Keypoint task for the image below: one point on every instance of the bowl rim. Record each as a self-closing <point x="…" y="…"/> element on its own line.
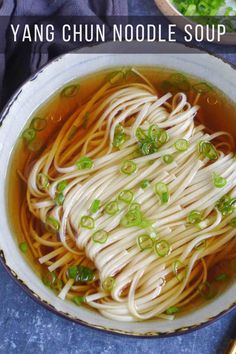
<point x="67" y="316"/>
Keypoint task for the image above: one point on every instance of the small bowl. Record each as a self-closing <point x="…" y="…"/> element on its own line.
<point x="18" y="110"/>
<point x="176" y="17"/>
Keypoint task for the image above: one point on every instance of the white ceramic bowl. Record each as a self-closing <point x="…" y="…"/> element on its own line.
<point x="28" y="98"/>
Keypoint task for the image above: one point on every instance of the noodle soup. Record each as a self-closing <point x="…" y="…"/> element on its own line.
<point x="123" y="193"/>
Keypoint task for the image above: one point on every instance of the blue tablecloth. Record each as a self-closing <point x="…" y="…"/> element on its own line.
<point x="26" y="328"/>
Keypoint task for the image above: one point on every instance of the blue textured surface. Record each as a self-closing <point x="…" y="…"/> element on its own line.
<point x="26" y="328"/>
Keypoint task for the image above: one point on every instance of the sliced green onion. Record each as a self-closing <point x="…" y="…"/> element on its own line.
<point x="42" y="181"/>
<point x="112" y="208"/>
<point x="202" y="87"/>
<point x="181" y="145"/>
<point x="119" y="140"/>
<point x="49" y="279"/>
<point x="132" y="218"/>
<point x="126" y="196"/>
<point x="70" y="91"/>
<point x="29" y="134"/>
<point x="95" y="206"/>
<point x="200" y="144"/>
<point x="119" y="129"/>
<point x="136" y="209"/>
<point x="100" y="236"/>
<point x="226" y="205"/>
<point x="163" y="137"/>
<point x="207" y="150"/>
<point x="61" y="186"/>
<point x="119" y="136"/>
<point x="87" y="222"/>
<point x="154" y="132"/>
<point x="144" y="184"/>
<point x="172" y="310"/>
<point x="84" y="163"/>
<point x="179" y="82"/>
<point x="59" y="199"/>
<point x="38" y="124"/>
<point x="150" y="142"/>
<point x="228" y="11"/>
<point x="57" y="285"/>
<point x="162" y="248"/>
<point x="135" y="206"/>
<point x="168" y="159"/>
<point x="184" y="86"/>
<point x="78" y="300"/>
<point x="222" y="277"/>
<point x="128" y="167"/>
<point x="178" y="266"/>
<point x="109" y="284"/>
<point x="160" y="139"/>
<point x="85" y="274"/>
<point x="147" y="148"/>
<point x="141" y="135"/>
<point x="145" y="242"/>
<point x="206" y="290"/>
<point x="194" y="217"/>
<point x="81" y="274"/>
<point x="233" y="222"/>
<point x="116" y="77"/>
<point x="166" y="85"/>
<point x="53" y="223"/>
<point x="72" y="272"/>
<point x="161" y="189"/>
<point x="35" y="145"/>
<point x="177" y="77"/>
<point x="201" y="8"/>
<point x="219" y="182"/>
<point x="23" y="247"/>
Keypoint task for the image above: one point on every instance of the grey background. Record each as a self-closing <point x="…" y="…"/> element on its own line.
<point x="26" y="328"/>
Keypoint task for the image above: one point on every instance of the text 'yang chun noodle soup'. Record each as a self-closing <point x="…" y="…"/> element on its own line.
<point x="127" y="201"/>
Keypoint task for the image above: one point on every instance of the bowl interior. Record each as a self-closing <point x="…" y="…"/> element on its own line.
<point x="36" y="91"/>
